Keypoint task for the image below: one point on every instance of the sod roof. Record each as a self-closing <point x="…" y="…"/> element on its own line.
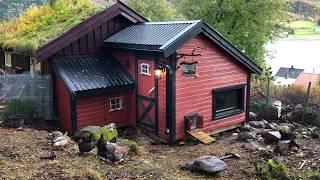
<point x="41" y="24"/>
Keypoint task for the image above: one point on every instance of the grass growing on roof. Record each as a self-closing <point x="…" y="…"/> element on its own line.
<point x="41" y="24"/>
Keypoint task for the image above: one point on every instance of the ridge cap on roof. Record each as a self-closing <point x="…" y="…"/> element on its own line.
<point x="172" y="22"/>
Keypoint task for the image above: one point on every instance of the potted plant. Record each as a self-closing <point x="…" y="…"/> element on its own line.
<point x="17" y="111"/>
<point x="16" y="121"/>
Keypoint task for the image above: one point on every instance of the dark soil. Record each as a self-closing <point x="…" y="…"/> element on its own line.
<point x="20" y="153"/>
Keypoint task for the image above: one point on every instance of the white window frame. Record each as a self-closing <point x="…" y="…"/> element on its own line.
<point x="145" y="69"/>
<point x="7" y="59"/>
<point x="118" y="104"/>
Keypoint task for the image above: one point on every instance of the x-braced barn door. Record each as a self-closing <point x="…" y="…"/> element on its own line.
<point x="146" y="95"/>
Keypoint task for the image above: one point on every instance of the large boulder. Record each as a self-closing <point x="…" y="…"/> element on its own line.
<point x="207" y="165"/>
<point x="257" y="124"/>
<point x="246" y="127"/>
<point x="109" y="131"/>
<point x="282" y="147"/>
<point x="243" y="136"/>
<point x="252" y="116"/>
<point x="272" y="136"/>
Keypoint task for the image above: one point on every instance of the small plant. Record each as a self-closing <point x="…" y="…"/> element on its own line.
<point x="19" y="107"/>
<point x="271" y="170"/>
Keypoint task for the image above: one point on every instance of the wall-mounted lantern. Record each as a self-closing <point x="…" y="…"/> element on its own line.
<point x="159" y="71"/>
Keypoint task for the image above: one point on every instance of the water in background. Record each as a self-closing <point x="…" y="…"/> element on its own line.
<point x="304" y="54"/>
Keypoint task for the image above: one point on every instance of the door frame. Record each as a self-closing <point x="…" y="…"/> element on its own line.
<point x="147" y="56"/>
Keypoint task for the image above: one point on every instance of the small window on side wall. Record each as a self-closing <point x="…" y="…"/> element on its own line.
<point x="116" y="103"/>
<point x="188" y="69"/>
<point x="228" y="101"/>
<point x="145" y="69"/>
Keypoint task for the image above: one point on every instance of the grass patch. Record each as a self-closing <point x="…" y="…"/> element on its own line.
<point x="303" y="30"/>
<point x="41" y="24"/>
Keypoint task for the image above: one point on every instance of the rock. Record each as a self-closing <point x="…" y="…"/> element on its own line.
<point x="272" y="136"/>
<point x="109" y="131"/>
<point x="253" y="146"/>
<point x="315" y="135"/>
<point x="294" y="149"/>
<point x="246" y="127"/>
<point x="242" y="136"/>
<point x="265" y="121"/>
<point x="298" y="107"/>
<point x="282" y="147"/>
<point x="312" y="129"/>
<point x="271" y="126"/>
<point x="257" y="124"/>
<point x="252" y="116"/>
<point x="285" y="132"/>
<point x="279" y="159"/>
<point x="206" y="164"/>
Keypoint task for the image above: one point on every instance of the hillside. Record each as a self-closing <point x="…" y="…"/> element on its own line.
<point x="305" y="10"/>
<point x="12" y="8"/>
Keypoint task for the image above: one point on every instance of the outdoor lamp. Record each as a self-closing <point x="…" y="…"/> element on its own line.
<point x="158" y="72"/>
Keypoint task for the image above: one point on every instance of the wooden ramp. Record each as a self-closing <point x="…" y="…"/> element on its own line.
<point x="201" y="136"/>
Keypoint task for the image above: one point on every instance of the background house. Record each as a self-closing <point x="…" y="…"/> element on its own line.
<point x="287" y="76"/>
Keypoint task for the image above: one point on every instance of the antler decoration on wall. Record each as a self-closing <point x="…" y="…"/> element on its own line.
<point x="194" y="53"/>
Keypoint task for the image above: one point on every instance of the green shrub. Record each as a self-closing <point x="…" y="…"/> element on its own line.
<point x="270" y="170"/>
<point x="316" y="122"/>
<point x="24" y="108"/>
<point x="315" y="176"/>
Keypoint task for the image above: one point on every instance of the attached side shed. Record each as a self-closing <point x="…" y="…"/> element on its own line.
<point x="91" y="90"/>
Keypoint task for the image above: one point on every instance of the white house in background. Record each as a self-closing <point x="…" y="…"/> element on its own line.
<point x="287" y="76"/>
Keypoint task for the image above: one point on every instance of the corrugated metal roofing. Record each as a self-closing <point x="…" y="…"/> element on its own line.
<point x="86" y="73"/>
<point x="155" y="34"/>
<point x="167" y="37"/>
<point x="291" y="73"/>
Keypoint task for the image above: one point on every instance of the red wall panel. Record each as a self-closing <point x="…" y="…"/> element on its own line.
<point x="95" y="111"/>
<point x="216" y="69"/>
<point x="63" y="105"/>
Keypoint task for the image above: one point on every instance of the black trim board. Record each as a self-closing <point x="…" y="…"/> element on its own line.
<point x="171" y="97"/>
<point x="248" y="96"/>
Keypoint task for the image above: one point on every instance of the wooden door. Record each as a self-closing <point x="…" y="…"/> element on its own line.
<point x="146" y="96"/>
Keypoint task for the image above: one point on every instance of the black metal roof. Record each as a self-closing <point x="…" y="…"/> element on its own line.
<point x="85" y="74"/>
<point x="292" y="72"/>
<point x="167" y="37"/>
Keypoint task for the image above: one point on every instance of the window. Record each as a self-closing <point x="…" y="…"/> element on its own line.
<point x="228" y="101"/>
<point x="145" y="69"/>
<point x="116" y="103"/>
<point x="7" y="59"/>
<point x="188" y="69"/>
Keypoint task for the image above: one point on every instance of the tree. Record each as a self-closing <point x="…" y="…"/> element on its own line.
<point x="153" y="10"/>
<point x="248" y="24"/>
<point x="13" y="8"/>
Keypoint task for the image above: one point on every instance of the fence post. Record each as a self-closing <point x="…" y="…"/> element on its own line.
<point x="267" y="98"/>
<point x="306" y="102"/>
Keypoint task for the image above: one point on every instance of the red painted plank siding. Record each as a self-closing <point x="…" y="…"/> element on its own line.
<point x="215" y="69"/>
<point x="127" y="59"/>
<point x="63" y="105"/>
<point x="95" y="111"/>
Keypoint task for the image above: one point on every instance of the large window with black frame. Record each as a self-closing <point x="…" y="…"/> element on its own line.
<point x="228" y="101"/>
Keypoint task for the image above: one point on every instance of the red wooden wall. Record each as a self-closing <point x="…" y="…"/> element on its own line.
<point x="95" y="111"/>
<point x="63" y="105"/>
<point x="127" y="59"/>
<point x="91" y="42"/>
<point x="215" y="69"/>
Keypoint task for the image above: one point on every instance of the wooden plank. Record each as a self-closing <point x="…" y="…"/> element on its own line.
<point x="201" y="136"/>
